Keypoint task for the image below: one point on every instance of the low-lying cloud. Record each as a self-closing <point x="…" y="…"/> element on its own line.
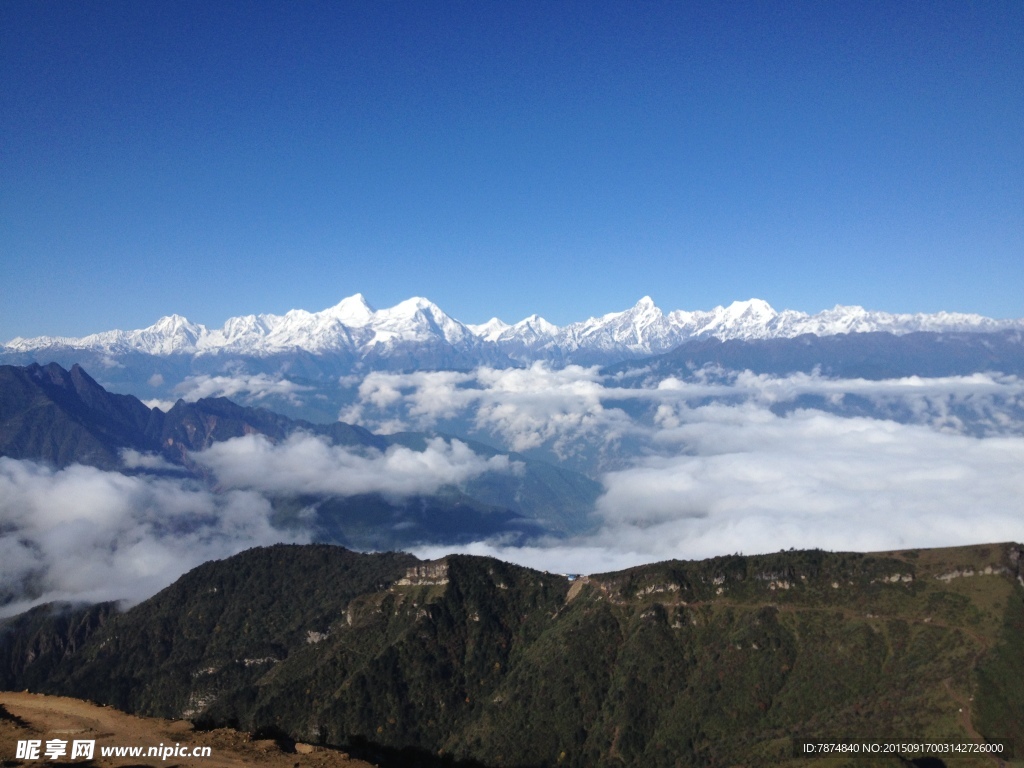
<point x="743" y="479"/>
<point x="692" y="467"/>
<point x="257" y="386"/>
<point x="251" y="387"/>
<point x="83" y="534"/>
<point x="717" y="466"/>
<point x="526" y="408"/>
<point x="559" y="410"/>
<point x="306" y="464"/>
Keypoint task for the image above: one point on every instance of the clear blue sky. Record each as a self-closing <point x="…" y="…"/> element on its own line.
<point x="566" y="158"/>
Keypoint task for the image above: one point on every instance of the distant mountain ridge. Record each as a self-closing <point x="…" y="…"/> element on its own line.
<point x="873" y="355"/>
<point x="354" y="329"/>
<point x="62" y="417"/>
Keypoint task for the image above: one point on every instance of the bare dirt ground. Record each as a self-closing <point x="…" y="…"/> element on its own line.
<point x="34" y="716"/>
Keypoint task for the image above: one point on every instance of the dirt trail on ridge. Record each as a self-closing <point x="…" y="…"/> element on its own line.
<point x="34" y="716"/>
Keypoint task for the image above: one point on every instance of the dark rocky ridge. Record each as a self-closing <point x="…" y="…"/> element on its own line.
<point x="65" y="417"/>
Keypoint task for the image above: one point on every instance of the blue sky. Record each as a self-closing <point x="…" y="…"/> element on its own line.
<point x="565" y="158"/>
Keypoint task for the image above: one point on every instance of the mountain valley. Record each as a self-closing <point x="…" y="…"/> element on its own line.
<point x="63" y="418"/>
<point x="615" y="439"/>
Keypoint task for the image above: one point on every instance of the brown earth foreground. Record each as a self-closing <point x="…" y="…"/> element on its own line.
<point x="34" y="716"/>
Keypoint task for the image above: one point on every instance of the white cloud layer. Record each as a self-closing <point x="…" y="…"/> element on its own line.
<point x="745" y="479"/>
<point x="560" y="410"/>
<point x="308" y="464"/>
<point x="256" y="386"/>
<point x="526" y="408"/>
<point x="716" y="463"/>
<point x="82" y="534"/>
<point x="742" y="479"/>
<point x="132" y="459"/>
<point x="718" y="468"/>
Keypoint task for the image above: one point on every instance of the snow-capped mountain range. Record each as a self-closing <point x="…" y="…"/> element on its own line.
<point x="355" y="329"/>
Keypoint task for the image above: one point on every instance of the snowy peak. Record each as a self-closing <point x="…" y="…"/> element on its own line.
<point x="170" y="334"/>
<point x="412" y="307"/>
<point x="418" y="319"/>
<point x="538" y="325"/>
<point x="753" y="318"/>
<point x="356" y="330"/>
<point x="644" y="312"/>
<point x="173" y="325"/>
<point x="353" y="311"/>
<point x="645" y="308"/>
<point x="528" y="332"/>
<point x="756" y="310"/>
<point x="491" y="330"/>
<point x="641" y="325"/>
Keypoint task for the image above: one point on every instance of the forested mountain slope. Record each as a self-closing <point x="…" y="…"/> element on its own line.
<point x="717" y="662"/>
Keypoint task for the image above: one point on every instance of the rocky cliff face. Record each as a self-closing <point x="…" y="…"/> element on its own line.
<point x="428" y="574"/>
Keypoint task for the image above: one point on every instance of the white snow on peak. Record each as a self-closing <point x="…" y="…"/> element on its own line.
<point x="538" y="324"/>
<point x="491" y="330"/>
<point x="355" y="328"/>
<point x="172" y="324"/>
<point x="353" y="311"/>
<point x="168" y="335"/>
<point x="645" y="304"/>
<point x="528" y="332"/>
<point x="418" y="320"/>
<point x="741" y="319"/>
<point x="752" y="309"/>
<point x="641" y="327"/>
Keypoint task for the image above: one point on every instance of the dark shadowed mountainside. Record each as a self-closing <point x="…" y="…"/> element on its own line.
<point x="37" y="641"/>
<point x="63" y="417"/>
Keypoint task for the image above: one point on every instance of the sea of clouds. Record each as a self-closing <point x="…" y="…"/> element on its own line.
<point x="727" y="462"/>
<point x="85" y="534"/>
<point x="711" y="464"/>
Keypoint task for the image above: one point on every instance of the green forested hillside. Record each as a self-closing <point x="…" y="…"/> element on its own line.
<point x="472" y="660"/>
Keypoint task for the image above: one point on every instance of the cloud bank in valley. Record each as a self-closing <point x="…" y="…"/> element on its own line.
<point x="83" y="534"/>
<point x="524" y="408"/>
<point x="558" y="408"/>
<point x="707" y="465"/>
<point x="743" y="479"/>
<point x="721" y="464"/>
<point x="306" y="464"/>
<point x="254" y="387"/>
